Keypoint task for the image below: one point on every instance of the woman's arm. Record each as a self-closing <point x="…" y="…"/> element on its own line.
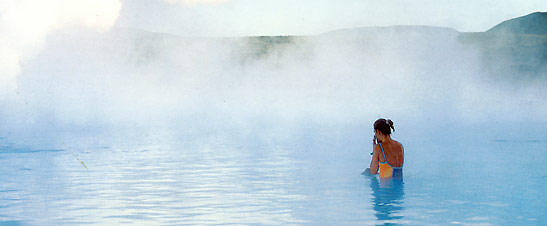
<point x="375" y="159"/>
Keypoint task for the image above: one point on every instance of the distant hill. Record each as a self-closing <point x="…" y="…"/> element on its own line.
<point x="515" y="49"/>
<point x="401" y="29"/>
<point x="535" y="23"/>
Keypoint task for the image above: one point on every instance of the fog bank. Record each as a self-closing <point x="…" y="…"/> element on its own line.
<point x="85" y="79"/>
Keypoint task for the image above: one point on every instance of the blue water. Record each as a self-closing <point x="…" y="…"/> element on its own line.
<point x="162" y="177"/>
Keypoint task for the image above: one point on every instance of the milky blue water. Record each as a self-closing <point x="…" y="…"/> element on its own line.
<point x="161" y="177"/>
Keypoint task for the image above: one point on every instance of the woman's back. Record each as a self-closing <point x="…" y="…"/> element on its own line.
<point x="394" y="153"/>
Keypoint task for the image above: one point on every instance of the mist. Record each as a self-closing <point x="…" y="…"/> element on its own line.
<point x="426" y="79"/>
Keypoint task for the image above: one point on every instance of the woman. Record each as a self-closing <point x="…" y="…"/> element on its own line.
<point x="388" y="154"/>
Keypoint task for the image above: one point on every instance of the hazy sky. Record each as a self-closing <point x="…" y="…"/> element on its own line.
<point x="281" y="17"/>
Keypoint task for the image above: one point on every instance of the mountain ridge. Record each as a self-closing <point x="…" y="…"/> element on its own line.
<point x="394" y="28"/>
<point x="531" y="24"/>
<point x="534" y="23"/>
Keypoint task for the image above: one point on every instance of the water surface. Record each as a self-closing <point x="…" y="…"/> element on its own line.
<point x="160" y="177"/>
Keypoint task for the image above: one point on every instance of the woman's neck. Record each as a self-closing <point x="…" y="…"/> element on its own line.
<point x="385" y="138"/>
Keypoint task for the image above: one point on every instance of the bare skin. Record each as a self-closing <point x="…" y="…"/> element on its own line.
<point x="392" y="148"/>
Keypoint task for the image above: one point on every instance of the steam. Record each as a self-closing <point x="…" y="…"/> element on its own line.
<point x="25" y="24"/>
<point x="122" y="77"/>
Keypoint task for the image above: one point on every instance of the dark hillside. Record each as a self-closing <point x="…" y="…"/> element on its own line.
<point x="515" y="49"/>
<point x="535" y="23"/>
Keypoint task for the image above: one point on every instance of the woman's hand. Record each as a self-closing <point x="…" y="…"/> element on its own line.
<point x="374" y="143"/>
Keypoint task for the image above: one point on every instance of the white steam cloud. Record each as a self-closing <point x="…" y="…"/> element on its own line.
<point x="123" y="77"/>
<point x="25" y="24"/>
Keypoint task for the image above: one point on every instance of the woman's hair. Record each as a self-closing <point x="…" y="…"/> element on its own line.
<point x="384" y="125"/>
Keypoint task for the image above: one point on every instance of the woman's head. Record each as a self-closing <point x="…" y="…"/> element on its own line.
<point x="384" y="126"/>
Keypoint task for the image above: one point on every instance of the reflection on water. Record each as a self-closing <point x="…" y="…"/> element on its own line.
<point x="388" y="199"/>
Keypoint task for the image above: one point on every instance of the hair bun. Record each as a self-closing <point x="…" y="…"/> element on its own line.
<point x="390" y="123"/>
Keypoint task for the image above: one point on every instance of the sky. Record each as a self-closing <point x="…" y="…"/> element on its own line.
<point x="308" y="17"/>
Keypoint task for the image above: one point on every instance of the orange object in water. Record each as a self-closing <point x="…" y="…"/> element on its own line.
<point x="386" y="170"/>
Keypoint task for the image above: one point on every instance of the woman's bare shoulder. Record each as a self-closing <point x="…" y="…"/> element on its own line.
<point x="399" y="145"/>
